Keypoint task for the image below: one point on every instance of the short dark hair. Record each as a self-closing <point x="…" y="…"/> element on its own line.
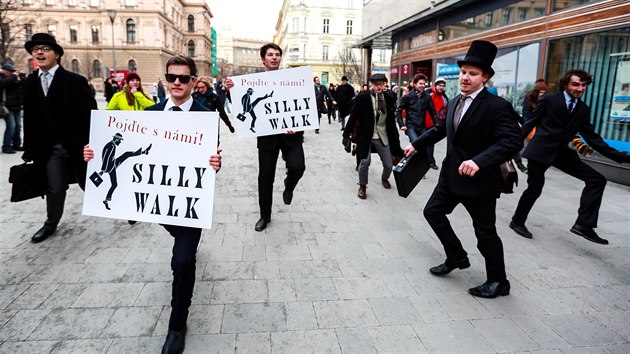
<point x="315" y="78"/>
<point x="419" y="76"/>
<point x="583" y="75"/>
<point x="183" y="60"/>
<point x="263" y="49"/>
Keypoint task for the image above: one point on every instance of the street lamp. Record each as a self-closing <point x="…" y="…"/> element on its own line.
<point x="112" y="17"/>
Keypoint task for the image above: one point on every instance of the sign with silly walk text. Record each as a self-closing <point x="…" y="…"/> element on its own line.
<point x="152" y="166"/>
<point x="274" y="102"/>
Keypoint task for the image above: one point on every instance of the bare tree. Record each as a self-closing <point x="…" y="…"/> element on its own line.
<point x="224" y="69"/>
<point x="350" y="65"/>
<point x="11" y="31"/>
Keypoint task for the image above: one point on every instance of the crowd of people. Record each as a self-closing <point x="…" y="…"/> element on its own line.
<point x="482" y="131"/>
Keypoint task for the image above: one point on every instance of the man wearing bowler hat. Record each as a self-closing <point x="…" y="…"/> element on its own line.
<point x="57" y="105"/>
<point x="482" y="133"/>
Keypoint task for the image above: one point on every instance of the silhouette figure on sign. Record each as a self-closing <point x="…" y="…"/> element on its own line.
<point x="110" y="163"/>
<point x="248" y="106"/>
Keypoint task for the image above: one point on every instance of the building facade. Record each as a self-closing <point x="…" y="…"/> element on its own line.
<point x="536" y="39"/>
<point x="145" y="34"/>
<point x="321" y="33"/>
<point x="246" y="56"/>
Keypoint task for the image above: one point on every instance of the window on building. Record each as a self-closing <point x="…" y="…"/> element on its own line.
<point x="324" y="78"/>
<point x="350" y="4"/>
<point x="95" y="35"/>
<point x="349" y="27"/>
<point x="382" y="56"/>
<point x="326" y="28"/>
<point x="133" y="66"/>
<point x="27" y="2"/>
<point x="73" y="33"/>
<point x="75" y="66"/>
<point x="506" y="16"/>
<point x="295" y="24"/>
<point x="539" y="12"/>
<point x="96" y="68"/>
<point x="28" y="31"/>
<point x="72" y="2"/>
<point x="130" y="2"/>
<point x="191" y="48"/>
<point x="522" y="14"/>
<point x="94" y="3"/>
<point x="191" y="23"/>
<point x="325" y="52"/>
<point x="488" y="19"/>
<point x="131" y="31"/>
<point x="50" y="2"/>
<point x="52" y="30"/>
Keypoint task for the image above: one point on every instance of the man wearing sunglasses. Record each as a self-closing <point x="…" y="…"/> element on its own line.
<point x="269" y="147"/>
<point x="57" y="105"/>
<point x="181" y="75"/>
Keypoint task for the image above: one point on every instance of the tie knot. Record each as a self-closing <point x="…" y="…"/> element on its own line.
<point x="464" y="98"/>
<point x="176" y="108"/>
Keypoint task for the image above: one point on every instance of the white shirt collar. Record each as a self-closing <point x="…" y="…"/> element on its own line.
<point x="52" y="70"/>
<point x="567" y="98"/>
<point x="184" y="106"/>
<point x="474" y="94"/>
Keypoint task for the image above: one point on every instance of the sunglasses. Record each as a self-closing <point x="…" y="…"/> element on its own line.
<point x="43" y="48"/>
<point x="184" y="79"/>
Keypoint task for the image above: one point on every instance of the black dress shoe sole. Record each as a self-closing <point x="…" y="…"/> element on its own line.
<point x="525" y="233"/>
<point x="462" y="265"/>
<point x="597" y="240"/>
<point x="502" y="292"/>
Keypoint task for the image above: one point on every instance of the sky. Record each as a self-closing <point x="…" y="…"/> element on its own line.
<point x="251" y="19"/>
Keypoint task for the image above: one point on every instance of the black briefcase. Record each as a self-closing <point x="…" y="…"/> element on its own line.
<point x="409" y="171"/>
<point x="96" y="179"/>
<point x="28" y="181"/>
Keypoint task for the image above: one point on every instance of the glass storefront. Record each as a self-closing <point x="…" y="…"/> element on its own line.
<point x="515" y="72"/>
<point x="606" y="56"/>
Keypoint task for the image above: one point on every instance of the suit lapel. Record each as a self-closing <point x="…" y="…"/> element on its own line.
<point x="450" y="111"/>
<point x="471" y="110"/>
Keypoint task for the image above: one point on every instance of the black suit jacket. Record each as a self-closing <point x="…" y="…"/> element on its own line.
<point x="361" y="124"/>
<point x="556" y="127"/>
<point x="61" y="117"/>
<point x="488" y="134"/>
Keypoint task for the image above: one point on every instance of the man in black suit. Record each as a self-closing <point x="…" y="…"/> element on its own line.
<point x="269" y="148"/>
<point x="372" y="125"/>
<point x="321" y="96"/>
<point x="181" y="75"/>
<point x="57" y="105"/>
<point x="558" y="118"/>
<point x="482" y="133"/>
<point x="344" y="96"/>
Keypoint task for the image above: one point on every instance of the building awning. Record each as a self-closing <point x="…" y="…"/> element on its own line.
<point x="383" y="39"/>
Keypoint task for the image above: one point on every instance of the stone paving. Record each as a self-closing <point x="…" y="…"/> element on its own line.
<point x="332" y="273"/>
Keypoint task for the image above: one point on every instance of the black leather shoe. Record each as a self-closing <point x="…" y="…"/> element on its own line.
<point x="175" y="342"/>
<point x="521" y="230"/>
<point x="42" y="234"/>
<point x="444" y="269"/>
<point x="491" y="290"/>
<point x="588" y="233"/>
<point x="132" y="222"/>
<point x="262" y="224"/>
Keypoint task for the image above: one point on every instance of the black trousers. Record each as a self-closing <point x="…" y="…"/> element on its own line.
<point x="483" y="214"/>
<point x="591" y="198"/>
<point x="183" y="265"/>
<point x="267" y="160"/>
<point x="59" y="172"/>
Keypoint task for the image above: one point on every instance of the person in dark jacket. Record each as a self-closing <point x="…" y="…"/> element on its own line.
<point x="332" y="107"/>
<point x="321" y="96"/>
<point x="344" y="95"/>
<point x="373" y="127"/>
<point x="161" y="92"/>
<point x="110" y="89"/>
<point x="207" y="98"/>
<point x="57" y="110"/>
<point x="11" y="97"/>
<point x="481" y="133"/>
<point x="558" y="118"/>
<point x="416" y="104"/>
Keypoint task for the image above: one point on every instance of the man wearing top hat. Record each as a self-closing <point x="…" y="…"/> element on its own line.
<point x="481" y="132"/>
<point x="57" y="105"/>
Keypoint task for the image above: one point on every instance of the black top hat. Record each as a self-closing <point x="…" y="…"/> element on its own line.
<point x="43" y="38"/>
<point x="480" y="54"/>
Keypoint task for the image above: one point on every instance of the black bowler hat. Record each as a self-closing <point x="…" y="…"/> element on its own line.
<point x="480" y="54"/>
<point x="344" y="78"/>
<point x="45" y="39"/>
<point x="378" y="77"/>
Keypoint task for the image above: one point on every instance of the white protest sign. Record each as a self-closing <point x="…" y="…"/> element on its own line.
<point x="152" y="166"/>
<point x="274" y="102"/>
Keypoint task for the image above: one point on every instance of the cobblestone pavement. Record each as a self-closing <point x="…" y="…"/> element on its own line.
<point x="332" y="273"/>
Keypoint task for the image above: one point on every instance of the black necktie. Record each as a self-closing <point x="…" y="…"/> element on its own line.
<point x="571" y="104"/>
<point x="175" y="108"/>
